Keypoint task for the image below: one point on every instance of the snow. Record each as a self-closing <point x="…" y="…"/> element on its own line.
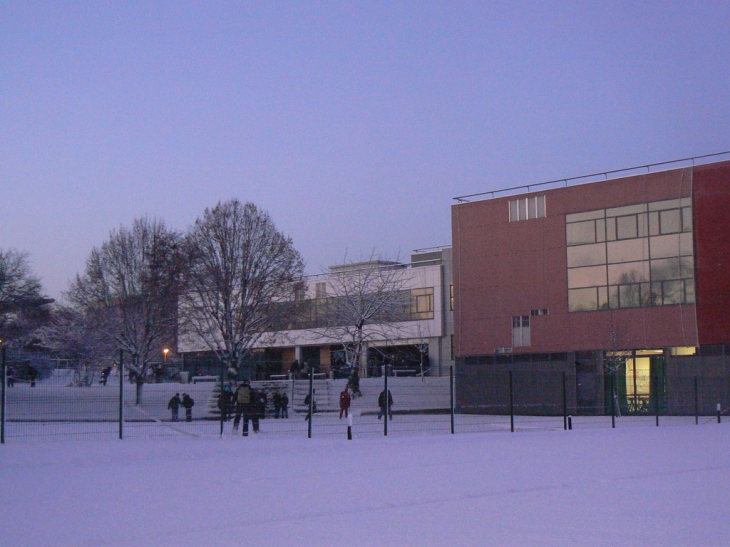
<point x="638" y="486"/>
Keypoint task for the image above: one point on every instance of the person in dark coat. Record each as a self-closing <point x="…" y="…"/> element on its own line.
<point x="174" y="406"/>
<point x="105" y="372"/>
<point x="187" y="403"/>
<point x="277" y="404"/>
<point x="295" y="368"/>
<point x="32" y="375"/>
<point x="344" y="403"/>
<point x="225" y="400"/>
<point x="11" y="376"/>
<point x="307" y="401"/>
<point x="284" y="405"/>
<point x="386" y="405"/>
<point x="242" y="399"/>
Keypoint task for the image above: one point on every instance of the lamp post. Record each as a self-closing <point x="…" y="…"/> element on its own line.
<point x="165" y="352"/>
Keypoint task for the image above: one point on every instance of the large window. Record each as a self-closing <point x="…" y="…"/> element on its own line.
<point x="628" y="257"/>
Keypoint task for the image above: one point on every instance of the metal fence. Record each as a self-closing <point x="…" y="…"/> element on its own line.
<point x="56" y="404"/>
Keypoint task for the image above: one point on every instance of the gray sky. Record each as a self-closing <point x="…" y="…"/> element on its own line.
<point x="353" y="124"/>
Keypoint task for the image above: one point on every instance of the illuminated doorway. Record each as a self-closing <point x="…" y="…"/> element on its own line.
<point x="638" y="380"/>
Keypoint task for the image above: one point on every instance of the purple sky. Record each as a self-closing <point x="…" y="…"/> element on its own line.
<point x="353" y="124"/>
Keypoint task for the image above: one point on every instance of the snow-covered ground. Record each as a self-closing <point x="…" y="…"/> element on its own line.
<point x="632" y="486"/>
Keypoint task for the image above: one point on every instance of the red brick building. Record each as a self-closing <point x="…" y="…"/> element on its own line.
<point x="633" y="271"/>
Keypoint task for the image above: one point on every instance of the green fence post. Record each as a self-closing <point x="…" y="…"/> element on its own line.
<point x="3" y="397"/>
<point x="565" y="405"/>
<point x="613" y="401"/>
<point x="451" y="387"/>
<point x="511" y="404"/>
<point x="121" y="394"/>
<point x="387" y="403"/>
<point x="656" y="398"/>
<point x="311" y="402"/>
<point x="697" y="403"/>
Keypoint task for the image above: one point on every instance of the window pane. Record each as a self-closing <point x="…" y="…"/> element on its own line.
<point x="642" y="224"/>
<point x="513" y="214"/>
<point x="581" y="232"/>
<point x="601" y="229"/>
<point x="516" y="337"/>
<point x="667" y="204"/>
<point x="541" y="206"/>
<point x="653" y="224"/>
<point x="531" y="207"/>
<point x="587" y="255"/>
<point x="686" y="219"/>
<point x="687" y="265"/>
<point x="665" y="246"/>
<point x="628" y="272"/>
<point x="610" y="229"/>
<point x="586" y="277"/>
<point x="656" y="294"/>
<point x="666" y="268"/>
<point x="582" y="300"/>
<point x="629" y="296"/>
<point x="672" y="291"/>
<point x="613" y="297"/>
<point x="669" y="221"/>
<point x="588" y="215"/>
<point x="602" y="298"/>
<point x="628" y="250"/>
<point x="523" y="208"/>
<point x="627" y="210"/>
<point x="626" y="227"/>
<point x="646" y="295"/>
<point x="526" y="335"/>
<point x="689" y="291"/>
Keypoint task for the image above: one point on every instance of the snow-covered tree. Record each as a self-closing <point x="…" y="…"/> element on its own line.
<point x="129" y="290"/>
<point x="240" y="266"/>
<point x="366" y="301"/>
<point x="22" y="303"/>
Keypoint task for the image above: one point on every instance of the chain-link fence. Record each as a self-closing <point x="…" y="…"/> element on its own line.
<point x="69" y="402"/>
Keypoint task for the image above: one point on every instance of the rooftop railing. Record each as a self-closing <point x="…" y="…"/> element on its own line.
<point x="584" y="179"/>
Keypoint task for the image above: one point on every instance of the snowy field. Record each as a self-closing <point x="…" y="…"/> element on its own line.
<point x="638" y="486"/>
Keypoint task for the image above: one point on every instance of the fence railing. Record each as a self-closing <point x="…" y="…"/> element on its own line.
<point x="58" y="407"/>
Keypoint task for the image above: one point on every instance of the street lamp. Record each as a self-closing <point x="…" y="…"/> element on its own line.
<point x="165" y="352"/>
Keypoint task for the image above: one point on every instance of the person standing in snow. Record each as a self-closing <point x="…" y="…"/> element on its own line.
<point x="284" y="405"/>
<point x="32" y="375"/>
<point x="243" y="403"/>
<point x="385" y="404"/>
<point x="187" y="403"/>
<point x="174" y="406"/>
<point x="344" y="403"/>
<point x="310" y="400"/>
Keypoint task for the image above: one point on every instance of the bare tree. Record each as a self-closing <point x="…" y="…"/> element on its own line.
<point x="72" y="335"/>
<point x="21" y="299"/>
<point x="130" y="288"/>
<point x="366" y="301"/>
<point x="241" y="266"/>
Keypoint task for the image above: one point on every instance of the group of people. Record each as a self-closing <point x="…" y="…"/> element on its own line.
<point x="385" y="402"/>
<point x="186" y="402"/>
<point x="248" y="404"/>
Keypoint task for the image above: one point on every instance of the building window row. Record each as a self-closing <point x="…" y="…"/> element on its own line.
<point x="626" y="257"/>
<point x="527" y="208"/>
